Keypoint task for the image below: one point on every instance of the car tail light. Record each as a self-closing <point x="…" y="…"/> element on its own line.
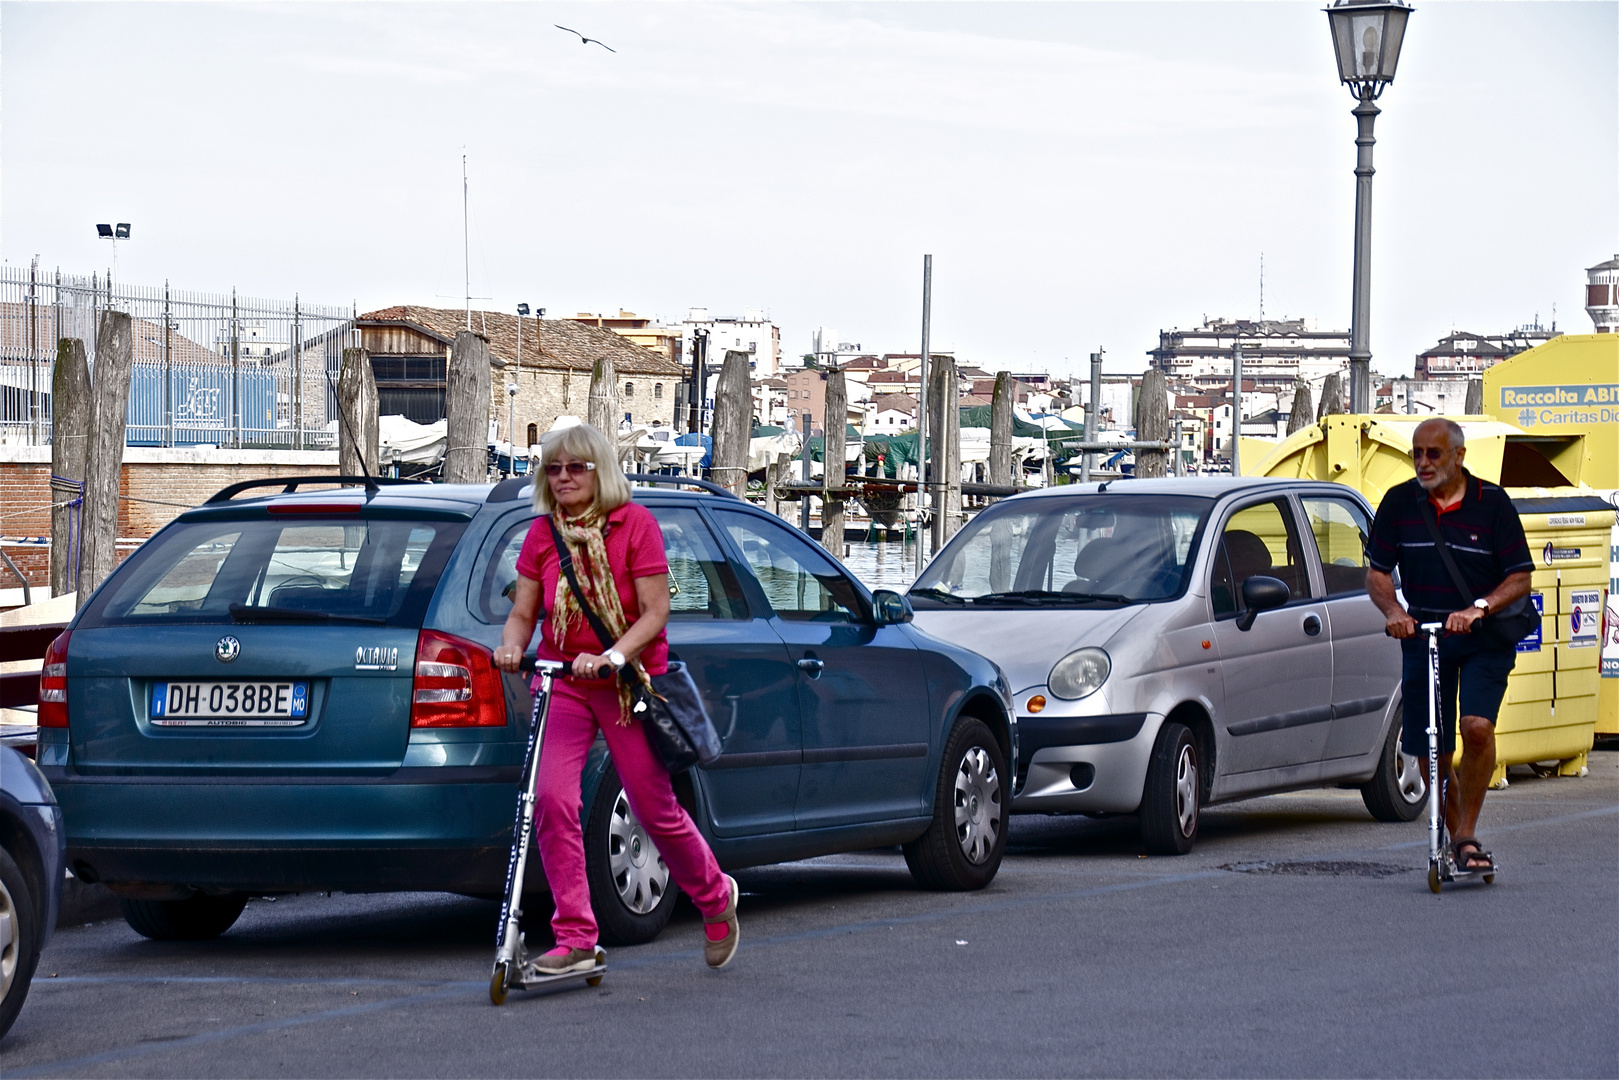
<point x="53" y="683"/>
<point x="456" y="684"/>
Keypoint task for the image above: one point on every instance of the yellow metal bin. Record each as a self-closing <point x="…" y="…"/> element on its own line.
<point x="1555" y="694"/>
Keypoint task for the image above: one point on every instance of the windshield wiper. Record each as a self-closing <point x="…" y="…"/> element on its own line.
<point x="1039" y="596"/>
<point x="938" y="594"/>
<point x="247" y="613"/>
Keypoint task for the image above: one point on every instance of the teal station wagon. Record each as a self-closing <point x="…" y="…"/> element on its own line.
<point x="294" y="692"/>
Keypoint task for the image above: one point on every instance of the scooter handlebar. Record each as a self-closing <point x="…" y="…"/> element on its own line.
<point x="531" y="664"/>
<point x="1425" y="628"/>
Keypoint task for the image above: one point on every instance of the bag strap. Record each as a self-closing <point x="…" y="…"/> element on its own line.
<point x="1432" y="522"/>
<point x="565" y="558"/>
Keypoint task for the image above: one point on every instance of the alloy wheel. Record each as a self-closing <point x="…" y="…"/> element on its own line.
<point x="1408" y="777"/>
<point x="637" y="868"/>
<point x="978" y="805"/>
<point x="1186" y="790"/>
<point x="10" y="944"/>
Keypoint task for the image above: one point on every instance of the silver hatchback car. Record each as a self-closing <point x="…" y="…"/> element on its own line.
<point x="1180" y="642"/>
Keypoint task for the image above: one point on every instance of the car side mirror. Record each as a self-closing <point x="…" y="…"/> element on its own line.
<point x="889" y="608"/>
<point x="1261" y="593"/>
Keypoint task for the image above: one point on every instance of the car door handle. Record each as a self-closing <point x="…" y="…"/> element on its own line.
<point x="1312" y="625"/>
<point x="812" y="666"/>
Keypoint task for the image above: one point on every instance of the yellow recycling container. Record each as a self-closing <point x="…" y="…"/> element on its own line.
<point x="1554" y="694"/>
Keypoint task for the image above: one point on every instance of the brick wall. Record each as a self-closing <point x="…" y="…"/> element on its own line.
<point x="157" y="485"/>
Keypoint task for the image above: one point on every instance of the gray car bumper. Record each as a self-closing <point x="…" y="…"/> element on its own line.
<point x="1116" y="749"/>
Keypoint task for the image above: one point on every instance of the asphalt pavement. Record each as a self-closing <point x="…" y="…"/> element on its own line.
<point x="1299" y="939"/>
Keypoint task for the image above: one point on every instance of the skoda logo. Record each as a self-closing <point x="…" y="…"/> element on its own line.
<point x="228" y="649"/>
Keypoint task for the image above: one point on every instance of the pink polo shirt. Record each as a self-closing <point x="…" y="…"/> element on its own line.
<point x="634" y="550"/>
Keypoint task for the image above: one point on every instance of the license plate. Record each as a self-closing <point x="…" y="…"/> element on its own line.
<point x="229" y="704"/>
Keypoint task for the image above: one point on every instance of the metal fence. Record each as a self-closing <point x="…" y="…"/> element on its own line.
<point x="210" y="368"/>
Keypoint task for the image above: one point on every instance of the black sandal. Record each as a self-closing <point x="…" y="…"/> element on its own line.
<point x="1476" y="861"/>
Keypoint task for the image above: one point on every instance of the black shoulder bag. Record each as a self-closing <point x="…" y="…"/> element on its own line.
<point x="1506" y="627"/>
<point x="672" y="712"/>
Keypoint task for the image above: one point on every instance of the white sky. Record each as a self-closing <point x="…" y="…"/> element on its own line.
<point x="1084" y="174"/>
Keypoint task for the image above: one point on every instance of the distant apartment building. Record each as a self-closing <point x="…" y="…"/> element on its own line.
<point x="1274" y="352"/>
<point x="647" y="333"/>
<point x="1464" y="355"/>
<point x="1602" y="295"/>
<point x="751" y="332"/>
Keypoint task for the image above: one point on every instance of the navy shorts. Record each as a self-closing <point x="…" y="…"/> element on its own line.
<point x="1472" y="674"/>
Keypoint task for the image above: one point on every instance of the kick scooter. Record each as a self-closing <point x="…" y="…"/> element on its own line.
<point x="513" y="968"/>
<point x="1441" y="859"/>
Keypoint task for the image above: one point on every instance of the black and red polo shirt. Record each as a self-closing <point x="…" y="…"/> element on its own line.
<point x="1483" y="532"/>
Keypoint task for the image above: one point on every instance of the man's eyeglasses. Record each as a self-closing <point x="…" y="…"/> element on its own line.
<point x="1432" y="453"/>
<point x="573" y="468"/>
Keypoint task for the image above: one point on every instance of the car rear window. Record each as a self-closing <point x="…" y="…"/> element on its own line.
<point x="371" y="569"/>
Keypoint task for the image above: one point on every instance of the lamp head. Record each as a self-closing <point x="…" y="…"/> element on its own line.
<point x="511" y="389"/>
<point x="522" y="309"/>
<point x="123" y="230"/>
<point x="104" y="231"/>
<point x="539" y="313"/>
<point x="1366" y="36"/>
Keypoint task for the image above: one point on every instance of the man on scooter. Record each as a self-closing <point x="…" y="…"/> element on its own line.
<point x="1477" y="523"/>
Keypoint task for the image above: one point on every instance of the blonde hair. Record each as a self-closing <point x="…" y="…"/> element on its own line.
<point x="587" y="444"/>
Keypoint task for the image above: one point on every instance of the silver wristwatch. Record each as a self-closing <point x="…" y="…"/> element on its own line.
<point x="615" y="658"/>
<point x="1482" y="604"/>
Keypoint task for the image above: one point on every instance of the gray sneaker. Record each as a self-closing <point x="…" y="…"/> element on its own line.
<point x="719" y="953"/>
<point x="560" y="963"/>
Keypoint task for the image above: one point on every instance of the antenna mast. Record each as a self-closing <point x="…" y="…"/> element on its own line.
<point x="1261" y="286"/>
<point x="466" y="244"/>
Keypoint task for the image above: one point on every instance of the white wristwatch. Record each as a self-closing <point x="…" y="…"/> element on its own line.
<point x="1482" y="604"/>
<point x="615" y="657"/>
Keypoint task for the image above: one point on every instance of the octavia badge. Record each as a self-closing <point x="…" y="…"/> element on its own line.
<point x="228" y="649"/>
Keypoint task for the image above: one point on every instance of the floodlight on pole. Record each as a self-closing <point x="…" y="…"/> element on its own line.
<point x="1366" y="37"/>
<point x="114" y="233"/>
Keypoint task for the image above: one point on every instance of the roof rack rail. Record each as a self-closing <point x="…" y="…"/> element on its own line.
<point x="290" y="484"/>
<point x="681" y="481"/>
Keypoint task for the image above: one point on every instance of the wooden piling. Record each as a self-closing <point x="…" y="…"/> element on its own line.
<point x="604" y="412"/>
<point x="733" y="424"/>
<point x="70" y="433"/>
<point x="1303" y="413"/>
<point x="358" y="440"/>
<point x="1332" y="396"/>
<point x="104" y="459"/>
<point x="466" y="403"/>
<point x="944" y="423"/>
<point x="1152" y="424"/>
<point x="834" y="423"/>
<point x="1000" y="429"/>
<point x="1475" y="397"/>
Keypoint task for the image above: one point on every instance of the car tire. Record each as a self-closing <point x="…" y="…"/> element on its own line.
<point x="630" y="888"/>
<point x="19" y="939"/>
<point x="964" y="842"/>
<point x="1170" y="800"/>
<point x="196" y="918"/>
<point x="1399" y="790"/>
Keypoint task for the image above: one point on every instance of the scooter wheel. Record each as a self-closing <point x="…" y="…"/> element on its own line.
<point x="595" y="980"/>
<point x="1489" y="879"/>
<point x="499" y="982"/>
<point x="1433" y="878"/>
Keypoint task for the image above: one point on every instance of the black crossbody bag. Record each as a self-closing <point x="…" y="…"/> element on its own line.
<point x="672" y="712"/>
<point x="1506" y="627"/>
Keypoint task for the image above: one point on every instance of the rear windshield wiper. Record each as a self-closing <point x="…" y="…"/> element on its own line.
<point x="938" y="594"/>
<point x="1039" y="596"/>
<point x="248" y="613"/>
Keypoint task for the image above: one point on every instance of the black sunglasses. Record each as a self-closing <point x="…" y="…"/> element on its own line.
<point x="1432" y="453"/>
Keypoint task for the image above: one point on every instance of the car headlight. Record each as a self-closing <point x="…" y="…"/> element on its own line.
<point x="1079" y="674"/>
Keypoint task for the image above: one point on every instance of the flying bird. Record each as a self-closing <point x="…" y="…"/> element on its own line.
<point x="586" y="40"/>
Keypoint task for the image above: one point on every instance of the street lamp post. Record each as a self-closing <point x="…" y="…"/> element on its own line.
<point x="1366" y="36"/>
<point x="115" y="234"/>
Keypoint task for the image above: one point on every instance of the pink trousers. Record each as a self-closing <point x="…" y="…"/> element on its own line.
<point x="577" y="712"/>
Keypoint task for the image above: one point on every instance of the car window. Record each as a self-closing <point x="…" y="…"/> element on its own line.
<point x="799" y="581"/>
<point x="1257" y="541"/>
<point x="1136" y="547"/>
<point x="1341" y="531"/>
<point x="702" y="584"/>
<point x="194" y="572"/>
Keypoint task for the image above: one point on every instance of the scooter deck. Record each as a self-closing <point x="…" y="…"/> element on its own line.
<point x="1446" y="871"/>
<point x="531" y="978"/>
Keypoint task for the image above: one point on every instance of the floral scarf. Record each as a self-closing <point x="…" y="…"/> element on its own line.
<point x="586" y="540"/>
